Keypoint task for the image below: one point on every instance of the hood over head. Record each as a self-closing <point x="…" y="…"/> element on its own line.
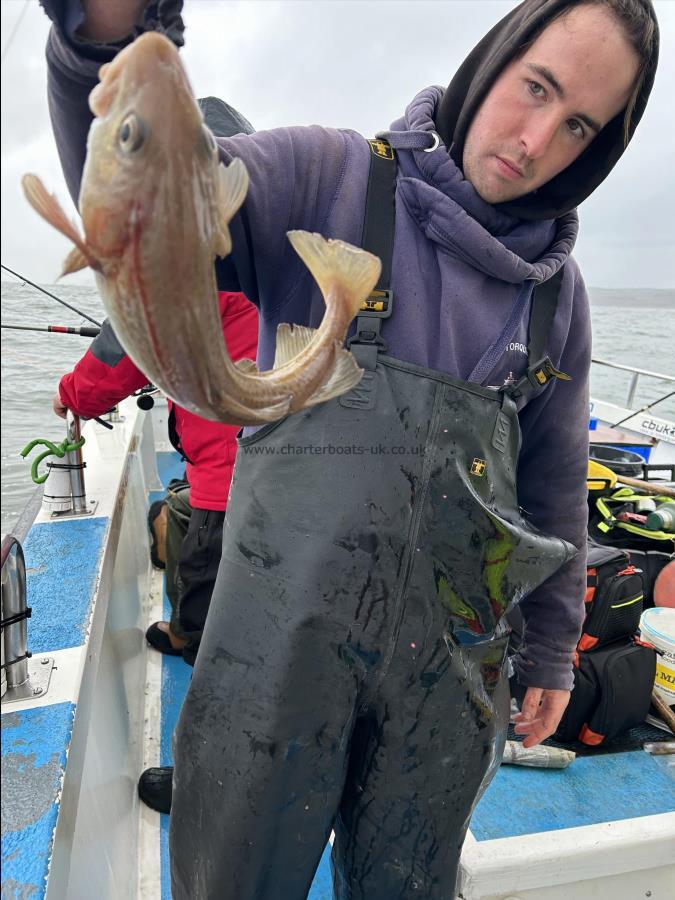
<point x="479" y="71"/>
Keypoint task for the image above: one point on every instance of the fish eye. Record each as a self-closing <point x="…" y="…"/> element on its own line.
<point x="131" y="134"/>
<point x="210" y="140"/>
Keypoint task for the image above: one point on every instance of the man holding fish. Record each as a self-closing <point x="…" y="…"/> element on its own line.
<point x="353" y="674"/>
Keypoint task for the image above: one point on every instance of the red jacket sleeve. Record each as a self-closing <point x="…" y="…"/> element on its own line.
<point x="104" y="376"/>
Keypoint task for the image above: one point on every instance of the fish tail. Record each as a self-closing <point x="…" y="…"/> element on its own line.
<point x="336" y="263"/>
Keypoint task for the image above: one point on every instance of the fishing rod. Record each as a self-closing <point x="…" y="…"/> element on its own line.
<point x="49" y="294"/>
<point x="84" y="331"/>
<point x="642" y="409"/>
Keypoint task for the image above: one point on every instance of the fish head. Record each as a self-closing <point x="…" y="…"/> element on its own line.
<point x="150" y="157"/>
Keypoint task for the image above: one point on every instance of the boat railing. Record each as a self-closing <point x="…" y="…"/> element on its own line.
<point x="636" y="374"/>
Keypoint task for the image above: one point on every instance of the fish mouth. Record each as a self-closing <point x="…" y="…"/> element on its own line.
<point x="138" y="64"/>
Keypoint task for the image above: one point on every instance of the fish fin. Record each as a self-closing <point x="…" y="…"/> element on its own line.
<point x="233" y="185"/>
<point x="246" y="365"/>
<point x="334" y="262"/>
<point x="47" y="206"/>
<point x="346" y="374"/>
<point x="75" y="261"/>
<point x="291" y="340"/>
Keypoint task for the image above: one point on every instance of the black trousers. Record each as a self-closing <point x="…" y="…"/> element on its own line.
<point x="197" y="557"/>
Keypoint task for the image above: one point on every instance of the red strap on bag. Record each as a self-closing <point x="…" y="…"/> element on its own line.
<point x="592" y="582"/>
<point x="587" y="642"/>
<point x="592" y="738"/>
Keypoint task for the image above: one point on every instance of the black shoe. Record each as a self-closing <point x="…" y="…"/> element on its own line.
<point x="159" y="640"/>
<point x="155" y="788"/>
<point x="153" y="514"/>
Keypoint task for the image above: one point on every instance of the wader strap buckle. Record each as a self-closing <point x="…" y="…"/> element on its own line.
<point x="535" y="380"/>
<point x="366" y="341"/>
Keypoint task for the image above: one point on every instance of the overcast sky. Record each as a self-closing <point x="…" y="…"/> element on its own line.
<point x="356" y="64"/>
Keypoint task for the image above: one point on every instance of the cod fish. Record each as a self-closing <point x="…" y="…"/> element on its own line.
<point x="155" y="204"/>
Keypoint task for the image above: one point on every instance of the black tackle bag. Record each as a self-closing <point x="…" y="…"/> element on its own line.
<point x="614" y="597"/>
<point x="612" y="692"/>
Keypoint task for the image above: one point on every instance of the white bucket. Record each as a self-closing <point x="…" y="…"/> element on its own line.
<point x="657" y="627"/>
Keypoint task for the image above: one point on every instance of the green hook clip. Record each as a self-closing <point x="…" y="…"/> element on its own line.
<point x="58" y="450"/>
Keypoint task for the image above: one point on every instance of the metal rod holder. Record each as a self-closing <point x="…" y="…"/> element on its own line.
<point x="23" y="678"/>
<point x="15" y="634"/>
<point x="76" y="463"/>
<point x="113" y="415"/>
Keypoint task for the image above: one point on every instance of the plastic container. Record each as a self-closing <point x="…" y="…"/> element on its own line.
<point x="620" y="461"/>
<point x="657" y="627"/>
<point x="663" y="518"/>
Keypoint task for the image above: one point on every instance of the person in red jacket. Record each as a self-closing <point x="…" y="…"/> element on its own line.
<point x="104" y="376"/>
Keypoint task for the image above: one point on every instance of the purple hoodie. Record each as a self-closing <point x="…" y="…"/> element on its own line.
<point x="457" y="269"/>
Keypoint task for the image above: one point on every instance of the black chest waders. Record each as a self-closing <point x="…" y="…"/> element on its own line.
<point x="352" y="674"/>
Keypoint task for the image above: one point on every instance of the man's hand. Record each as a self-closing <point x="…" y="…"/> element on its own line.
<point x="108" y="22"/>
<point x="540" y="714"/>
<point x="58" y="406"/>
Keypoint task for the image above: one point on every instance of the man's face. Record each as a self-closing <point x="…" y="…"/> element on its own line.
<point x="548" y="105"/>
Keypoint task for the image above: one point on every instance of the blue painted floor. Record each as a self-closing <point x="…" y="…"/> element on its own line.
<point x="593" y="789"/>
<point x="66" y="553"/>
<point x="30" y="794"/>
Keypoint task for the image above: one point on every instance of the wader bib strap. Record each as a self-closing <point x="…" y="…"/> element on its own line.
<point x="378" y="238"/>
<point x="540" y="369"/>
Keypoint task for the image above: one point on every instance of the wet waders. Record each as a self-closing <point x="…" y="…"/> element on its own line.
<point x="352" y="673"/>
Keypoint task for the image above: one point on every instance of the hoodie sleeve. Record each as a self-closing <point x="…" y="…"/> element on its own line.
<point x="102" y="378"/>
<point x="295" y="178"/>
<point x="552" y="473"/>
<point x="72" y="73"/>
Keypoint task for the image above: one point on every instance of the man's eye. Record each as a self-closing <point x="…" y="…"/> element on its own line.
<point x="536" y="89"/>
<point x="576" y="128"/>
